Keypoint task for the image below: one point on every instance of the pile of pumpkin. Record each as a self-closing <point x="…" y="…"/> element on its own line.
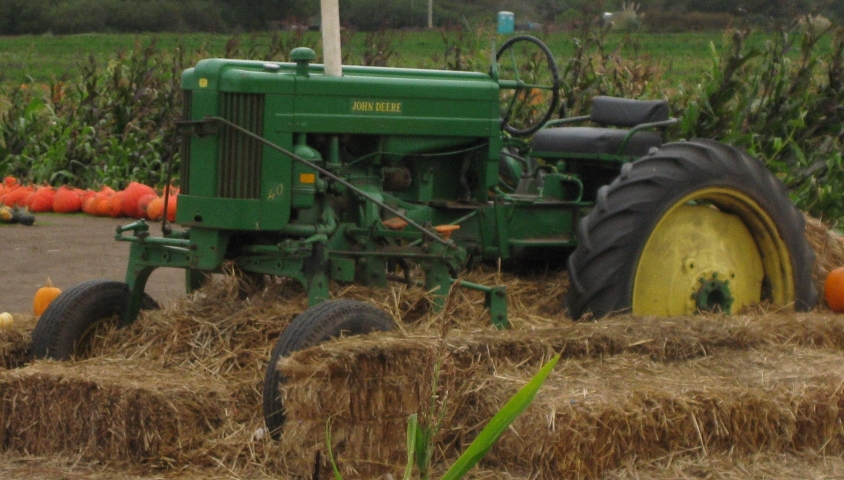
<point x="136" y="200"/>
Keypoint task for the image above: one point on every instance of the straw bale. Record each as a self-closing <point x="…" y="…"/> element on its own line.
<point x="828" y="246"/>
<point x="679" y="466"/>
<point x="14" y="465"/>
<point x="667" y="339"/>
<point x="652" y="377"/>
<point x="362" y="449"/>
<point x="593" y="416"/>
<point x="14" y="341"/>
<point x="107" y="409"/>
<point x="804" y="465"/>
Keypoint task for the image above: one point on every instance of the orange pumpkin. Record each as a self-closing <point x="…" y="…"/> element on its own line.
<point x="44" y="296"/>
<point x="66" y="200"/>
<point x="116" y="205"/>
<point x="104" y="205"/>
<point x="131" y="195"/>
<point x="171" y="208"/>
<point x="833" y="290"/>
<point x="42" y="200"/>
<point x="104" y="200"/>
<point x="155" y="209"/>
<point x="143" y="203"/>
<point x="29" y="196"/>
<point x="89" y="205"/>
<point x="17" y="196"/>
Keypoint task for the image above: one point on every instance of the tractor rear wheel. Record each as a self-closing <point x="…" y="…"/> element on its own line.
<point x="315" y="325"/>
<point x="69" y="324"/>
<point x="694" y="226"/>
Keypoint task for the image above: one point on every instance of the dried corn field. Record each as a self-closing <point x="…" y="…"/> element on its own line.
<point x="178" y="394"/>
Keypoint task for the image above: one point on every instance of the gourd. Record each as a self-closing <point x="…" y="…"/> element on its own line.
<point x="16" y="215"/>
<point x="6" y="320"/>
<point x="5" y="214"/>
<point x="44" y="296"/>
<point x="22" y="216"/>
<point x="834" y="290"/>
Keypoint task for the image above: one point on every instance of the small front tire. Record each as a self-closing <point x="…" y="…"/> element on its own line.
<point x="65" y="329"/>
<point x="315" y="325"/>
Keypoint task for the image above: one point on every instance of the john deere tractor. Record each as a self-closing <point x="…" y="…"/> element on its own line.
<point x="376" y="174"/>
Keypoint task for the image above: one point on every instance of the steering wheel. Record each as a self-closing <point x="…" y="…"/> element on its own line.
<point x="529" y="80"/>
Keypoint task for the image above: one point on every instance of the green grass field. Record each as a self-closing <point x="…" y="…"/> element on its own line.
<point x="680" y="57"/>
<point x="47" y="57"/>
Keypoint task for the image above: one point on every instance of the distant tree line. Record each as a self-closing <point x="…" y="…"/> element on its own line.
<point x="19" y="17"/>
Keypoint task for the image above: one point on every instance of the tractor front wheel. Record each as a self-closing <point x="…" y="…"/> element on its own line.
<point x="69" y="324"/>
<point x="694" y="226"/>
<point x="315" y="325"/>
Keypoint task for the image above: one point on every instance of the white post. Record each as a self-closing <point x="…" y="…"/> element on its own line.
<point x="430" y="13"/>
<point x="331" y="50"/>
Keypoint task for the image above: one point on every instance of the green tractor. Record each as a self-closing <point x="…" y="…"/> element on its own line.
<point x="379" y="173"/>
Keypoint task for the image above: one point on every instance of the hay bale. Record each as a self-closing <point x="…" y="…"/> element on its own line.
<point x="14" y="342"/>
<point x="762" y="465"/>
<point x="590" y="418"/>
<point x="828" y="246"/>
<point x="643" y="387"/>
<point x="56" y="467"/>
<point x="107" y="409"/>
<point x="13" y="351"/>
<point x="362" y="449"/>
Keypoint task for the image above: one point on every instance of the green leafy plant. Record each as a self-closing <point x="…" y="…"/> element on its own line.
<point x="115" y="125"/>
<point x="499" y="423"/>
<point x="781" y="101"/>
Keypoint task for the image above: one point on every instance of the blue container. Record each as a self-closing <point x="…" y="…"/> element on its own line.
<point x="506" y="22"/>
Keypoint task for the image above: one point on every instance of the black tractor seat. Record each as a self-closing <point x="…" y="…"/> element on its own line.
<point x="633" y="116"/>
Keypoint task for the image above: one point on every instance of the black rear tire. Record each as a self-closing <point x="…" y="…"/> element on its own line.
<point x="65" y="328"/>
<point x="315" y="325"/>
<point x="704" y="178"/>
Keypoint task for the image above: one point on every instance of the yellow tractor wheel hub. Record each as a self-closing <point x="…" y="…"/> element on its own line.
<point x="714" y="250"/>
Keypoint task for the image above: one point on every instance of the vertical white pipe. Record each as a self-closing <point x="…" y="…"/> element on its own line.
<point x="331" y="50"/>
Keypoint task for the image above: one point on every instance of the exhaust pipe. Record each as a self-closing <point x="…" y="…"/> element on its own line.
<point x="331" y="50"/>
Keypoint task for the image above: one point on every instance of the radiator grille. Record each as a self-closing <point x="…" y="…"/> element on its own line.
<point x="184" y="150"/>
<point x="239" y="162"/>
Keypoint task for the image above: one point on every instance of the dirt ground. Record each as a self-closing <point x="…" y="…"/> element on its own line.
<point x="69" y="249"/>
